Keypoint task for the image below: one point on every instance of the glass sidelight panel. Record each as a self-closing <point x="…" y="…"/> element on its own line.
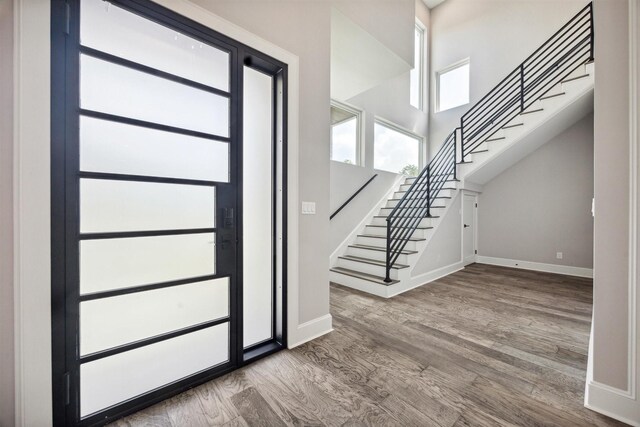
<point x="108" y="264"/>
<point x="258" y="227"/>
<point x="110" y="206"/>
<point x="114" y="379"/>
<point x="114" y="321"/>
<point x="110" y="29"/>
<point x="125" y="149"/>
<point x="114" y="89"/>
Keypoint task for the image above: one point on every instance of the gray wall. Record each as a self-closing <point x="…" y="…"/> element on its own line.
<point x="497" y="35"/>
<point x="303" y="28"/>
<point x="445" y="247"/>
<point x="6" y="215"/>
<point x="611" y="172"/>
<point x="542" y="204"/>
<point x="389" y="101"/>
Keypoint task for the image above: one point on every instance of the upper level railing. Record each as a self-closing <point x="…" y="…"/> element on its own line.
<point x="569" y="48"/>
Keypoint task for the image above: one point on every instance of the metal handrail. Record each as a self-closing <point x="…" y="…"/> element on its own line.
<point x="559" y="56"/>
<point x="353" y="196"/>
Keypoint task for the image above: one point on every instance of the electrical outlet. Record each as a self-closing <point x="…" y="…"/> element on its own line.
<point x="559" y="255"/>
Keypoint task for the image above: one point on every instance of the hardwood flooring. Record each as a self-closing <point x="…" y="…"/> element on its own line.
<point x="487" y="346"/>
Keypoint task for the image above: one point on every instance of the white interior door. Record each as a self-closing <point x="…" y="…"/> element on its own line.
<point x="469" y="206"/>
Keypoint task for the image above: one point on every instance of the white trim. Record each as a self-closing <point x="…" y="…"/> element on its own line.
<point x="32" y="276"/>
<point x="612" y="402"/>
<point x="536" y="266"/>
<point x="474" y="256"/>
<point x="342" y="247"/>
<point x="431" y="276"/>
<point x="360" y="129"/>
<point x="400" y="129"/>
<point x="312" y="329"/>
<point x="462" y="62"/>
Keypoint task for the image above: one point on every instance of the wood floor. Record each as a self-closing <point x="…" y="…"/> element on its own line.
<point x="487" y="346"/>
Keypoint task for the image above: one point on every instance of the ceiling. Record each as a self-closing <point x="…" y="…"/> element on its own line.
<point x="432" y="3"/>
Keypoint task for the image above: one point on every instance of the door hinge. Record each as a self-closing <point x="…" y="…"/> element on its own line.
<point x="67" y="22"/>
<point x="476" y="252"/>
<point x="67" y="388"/>
<point x="476" y="205"/>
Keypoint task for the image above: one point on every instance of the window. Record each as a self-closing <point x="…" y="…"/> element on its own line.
<point x="345" y="133"/>
<point x="453" y="86"/>
<point x="417" y="74"/>
<point x="396" y="150"/>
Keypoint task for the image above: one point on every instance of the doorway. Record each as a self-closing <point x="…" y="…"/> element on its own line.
<point x="469" y="227"/>
<point x="168" y="196"/>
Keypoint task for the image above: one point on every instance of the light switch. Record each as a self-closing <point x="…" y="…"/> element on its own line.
<point x="308" y="208"/>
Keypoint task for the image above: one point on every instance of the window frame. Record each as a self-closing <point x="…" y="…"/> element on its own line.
<point x="359" y="115"/>
<point x="449" y="68"/>
<point x="422" y="63"/>
<point x="396" y="127"/>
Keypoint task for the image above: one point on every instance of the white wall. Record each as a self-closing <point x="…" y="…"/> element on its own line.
<point x="390" y="101"/>
<point x="6" y="215"/>
<point x="445" y="247"/>
<point x="542" y="204"/>
<point x="497" y="35"/>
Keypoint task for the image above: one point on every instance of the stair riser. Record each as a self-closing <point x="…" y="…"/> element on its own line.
<point x="426" y="222"/>
<point x="381" y="243"/>
<point x="378" y="231"/>
<point x="405" y="187"/>
<point x="434" y="211"/>
<point x="443" y="193"/>
<point x="367" y="268"/>
<point x="378" y="255"/>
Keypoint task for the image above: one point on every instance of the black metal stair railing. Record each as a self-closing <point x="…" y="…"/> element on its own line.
<point x="558" y="57"/>
<point x="416" y="203"/>
<point x="569" y="48"/>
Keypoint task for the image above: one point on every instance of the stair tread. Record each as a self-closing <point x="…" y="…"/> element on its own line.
<point x="395" y="266"/>
<point x="499" y="138"/>
<point x="413" y="239"/>
<point x="512" y="126"/>
<point x="412" y="207"/>
<point x="413" y="198"/>
<point x="424" y="217"/>
<point x="574" y="78"/>
<point x="379" y="249"/>
<point x="365" y="276"/>
<point x="384" y="226"/>
<point x="478" y="151"/>
<point x="464" y="163"/>
<point x="553" y="95"/>
<point x="532" y="111"/>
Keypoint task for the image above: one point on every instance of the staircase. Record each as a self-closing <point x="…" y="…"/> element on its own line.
<point x="544" y="95"/>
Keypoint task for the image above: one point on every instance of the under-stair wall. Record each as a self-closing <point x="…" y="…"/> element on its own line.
<point x="541" y="206"/>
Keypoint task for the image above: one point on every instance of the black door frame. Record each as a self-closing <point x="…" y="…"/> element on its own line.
<point x="65" y="176"/>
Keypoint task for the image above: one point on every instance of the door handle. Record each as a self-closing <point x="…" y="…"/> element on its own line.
<point x="466" y="225"/>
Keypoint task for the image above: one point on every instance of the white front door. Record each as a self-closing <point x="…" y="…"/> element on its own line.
<point x="469" y="228"/>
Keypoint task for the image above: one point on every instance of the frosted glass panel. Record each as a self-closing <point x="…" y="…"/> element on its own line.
<point x="258" y="212"/>
<point x="119" y="148"/>
<point x="107" y="206"/>
<point x="120" y="263"/>
<point x="122" y="91"/>
<point x="110" y="322"/>
<point x="111" y="380"/>
<point x="116" y="31"/>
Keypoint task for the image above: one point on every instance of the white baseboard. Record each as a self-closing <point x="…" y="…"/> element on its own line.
<point x="536" y="266"/>
<point x="310" y="330"/>
<point x="612" y="402"/>
<point x="424" y="278"/>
